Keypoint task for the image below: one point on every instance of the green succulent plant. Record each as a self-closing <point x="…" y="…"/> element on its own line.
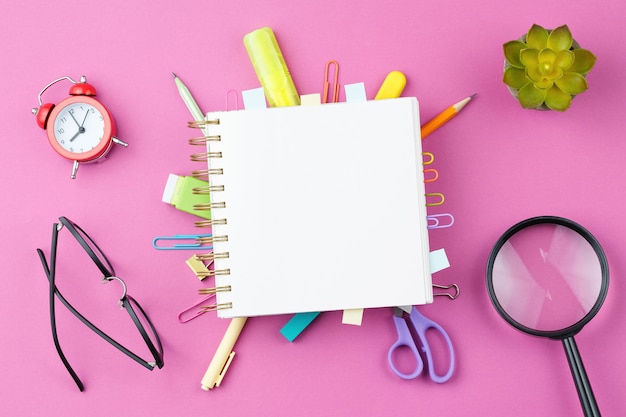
<point x="546" y="68"/>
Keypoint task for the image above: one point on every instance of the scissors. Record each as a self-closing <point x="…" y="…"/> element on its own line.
<point x="420" y="325"/>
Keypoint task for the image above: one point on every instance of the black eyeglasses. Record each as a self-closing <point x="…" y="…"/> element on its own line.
<point x="137" y="314"/>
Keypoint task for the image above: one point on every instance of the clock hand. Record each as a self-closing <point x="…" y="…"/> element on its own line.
<point x="75" y="121"/>
<point x="81" y="126"/>
<point x="80" y="130"/>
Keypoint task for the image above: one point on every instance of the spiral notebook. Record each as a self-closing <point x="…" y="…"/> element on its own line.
<point x="317" y="208"/>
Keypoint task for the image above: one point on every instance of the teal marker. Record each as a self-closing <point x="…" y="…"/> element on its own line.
<point x="297" y="324"/>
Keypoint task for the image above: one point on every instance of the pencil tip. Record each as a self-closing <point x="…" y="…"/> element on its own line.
<point x="473" y="95"/>
<point x="174" y="75"/>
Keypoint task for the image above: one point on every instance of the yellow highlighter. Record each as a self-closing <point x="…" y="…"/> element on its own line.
<point x="270" y="68"/>
<point x="392" y="87"/>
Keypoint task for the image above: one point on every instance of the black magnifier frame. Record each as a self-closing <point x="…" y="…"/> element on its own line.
<point x="131" y="306"/>
<point x="595" y="245"/>
<point x="566" y="335"/>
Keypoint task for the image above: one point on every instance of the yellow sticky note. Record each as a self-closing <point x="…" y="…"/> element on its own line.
<point x="352" y="316"/>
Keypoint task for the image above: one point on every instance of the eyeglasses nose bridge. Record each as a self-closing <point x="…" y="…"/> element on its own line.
<point x="106" y="279"/>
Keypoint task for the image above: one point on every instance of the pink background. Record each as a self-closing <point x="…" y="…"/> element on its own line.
<point x="498" y="164"/>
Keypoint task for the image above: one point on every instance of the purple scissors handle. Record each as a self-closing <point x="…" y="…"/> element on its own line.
<point x="421" y="325"/>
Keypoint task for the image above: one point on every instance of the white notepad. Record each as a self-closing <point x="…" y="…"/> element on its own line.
<point x="325" y="208"/>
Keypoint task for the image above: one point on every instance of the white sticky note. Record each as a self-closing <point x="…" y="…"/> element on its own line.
<point x="254" y="99"/>
<point x="355" y="92"/>
<point x="438" y="260"/>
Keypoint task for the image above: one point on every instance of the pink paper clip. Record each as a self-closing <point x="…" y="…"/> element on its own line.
<point x="194" y="311"/>
<point x="229" y="94"/>
<point x="335" y="97"/>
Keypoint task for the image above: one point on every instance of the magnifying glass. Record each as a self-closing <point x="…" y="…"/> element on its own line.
<point x="548" y="276"/>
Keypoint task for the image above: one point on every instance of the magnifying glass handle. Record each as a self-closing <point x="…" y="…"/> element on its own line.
<point x="585" y="393"/>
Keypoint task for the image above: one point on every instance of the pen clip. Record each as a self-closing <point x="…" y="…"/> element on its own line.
<point x="198" y="241"/>
<point x="218" y="381"/>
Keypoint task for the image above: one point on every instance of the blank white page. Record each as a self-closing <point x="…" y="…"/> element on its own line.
<point x="325" y="208"/>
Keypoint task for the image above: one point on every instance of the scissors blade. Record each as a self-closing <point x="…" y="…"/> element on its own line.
<point x="406" y="309"/>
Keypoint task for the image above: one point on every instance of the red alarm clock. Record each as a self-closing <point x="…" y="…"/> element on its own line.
<point x="79" y="128"/>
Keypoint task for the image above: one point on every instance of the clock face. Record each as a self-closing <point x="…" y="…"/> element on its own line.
<point x="80" y="128"/>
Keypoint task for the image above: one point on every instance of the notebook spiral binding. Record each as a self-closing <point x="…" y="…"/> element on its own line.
<point x="211" y="189"/>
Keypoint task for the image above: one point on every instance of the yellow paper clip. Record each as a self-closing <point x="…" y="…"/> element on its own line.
<point x="335" y="97"/>
<point x="428" y="158"/>
<point x="434" y="199"/>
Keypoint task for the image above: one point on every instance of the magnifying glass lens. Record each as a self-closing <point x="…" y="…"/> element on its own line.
<point x="547" y="277"/>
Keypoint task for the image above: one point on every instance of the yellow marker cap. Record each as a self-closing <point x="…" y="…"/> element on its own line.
<point x="270" y="68"/>
<point x="392" y="86"/>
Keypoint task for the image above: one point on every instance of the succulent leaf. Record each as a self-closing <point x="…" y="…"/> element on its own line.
<point x="515" y="77"/>
<point x="529" y="57"/>
<point x="512" y="52"/>
<point x="584" y="60"/>
<point x="564" y="59"/>
<point x="557" y="99"/>
<point x="572" y="83"/>
<point x="531" y="96"/>
<point x="537" y="37"/>
<point x="560" y="39"/>
<point x="544" y="83"/>
<point x="547" y="55"/>
<point x="534" y="74"/>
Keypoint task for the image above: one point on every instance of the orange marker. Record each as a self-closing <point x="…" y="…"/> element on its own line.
<point x="444" y="116"/>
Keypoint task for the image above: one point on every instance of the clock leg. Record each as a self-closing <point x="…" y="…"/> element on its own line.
<point x="74" y="169"/>
<point x="119" y="141"/>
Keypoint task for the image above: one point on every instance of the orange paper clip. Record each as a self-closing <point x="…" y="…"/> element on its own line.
<point x="431" y="175"/>
<point x="327" y="83"/>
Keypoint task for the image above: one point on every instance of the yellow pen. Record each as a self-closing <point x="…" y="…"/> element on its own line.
<point x="270" y="68"/>
<point x="223" y="355"/>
